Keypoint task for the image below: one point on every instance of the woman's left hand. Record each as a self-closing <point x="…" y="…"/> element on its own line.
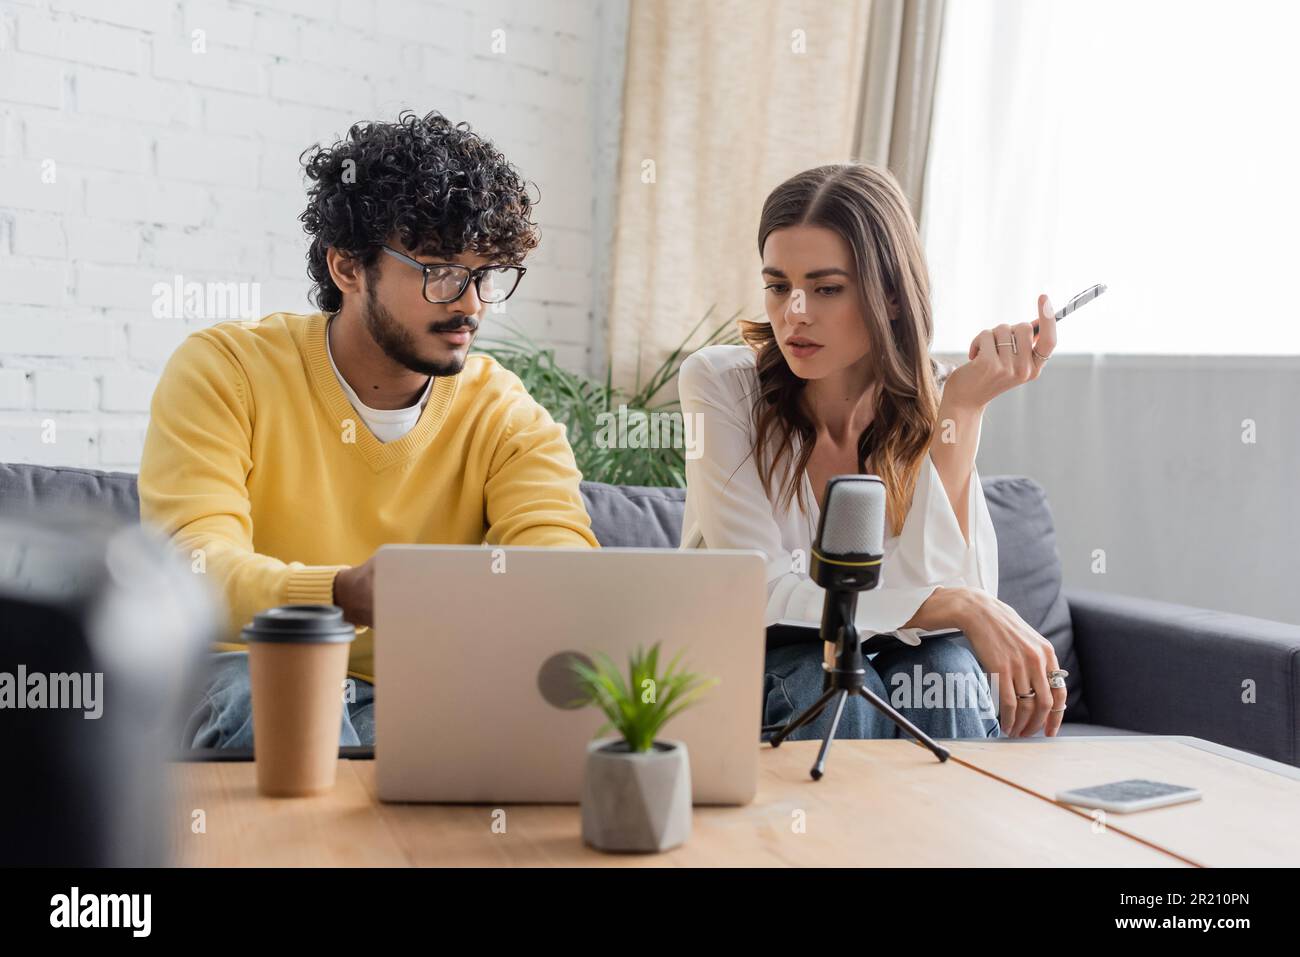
<point x="996" y="366"/>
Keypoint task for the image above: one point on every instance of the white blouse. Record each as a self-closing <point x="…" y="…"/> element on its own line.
<point x="727" y="507"/>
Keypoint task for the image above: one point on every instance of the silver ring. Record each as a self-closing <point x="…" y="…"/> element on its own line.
<point x="1056" y="681"/>
<point x="1058" y="671"/>
<point x="1030" y="695"/>
<point x="1055" y="710"/>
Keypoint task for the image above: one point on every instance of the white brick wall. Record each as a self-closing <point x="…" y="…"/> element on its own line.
<point x="127" y="159"/>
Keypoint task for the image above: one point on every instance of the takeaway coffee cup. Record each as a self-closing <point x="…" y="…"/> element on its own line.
<point x="297" y="660"/>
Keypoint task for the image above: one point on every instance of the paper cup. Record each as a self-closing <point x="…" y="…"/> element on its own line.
<point x="297" y="660"/>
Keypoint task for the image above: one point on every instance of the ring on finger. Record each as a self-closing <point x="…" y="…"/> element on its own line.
<point x="1031" y="694"/>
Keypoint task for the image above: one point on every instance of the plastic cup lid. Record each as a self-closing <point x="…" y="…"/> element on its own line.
<point x="316" y="624"/>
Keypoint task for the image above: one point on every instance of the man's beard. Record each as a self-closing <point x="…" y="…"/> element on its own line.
<point x="399" y="345"/>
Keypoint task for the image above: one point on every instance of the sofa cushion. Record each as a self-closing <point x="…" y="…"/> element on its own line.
<point x="1029" y="572"/>
<point x="24" y="488"/>
<point x="635" y="516"/>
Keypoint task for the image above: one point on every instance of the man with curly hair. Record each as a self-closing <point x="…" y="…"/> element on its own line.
<point x="282" y="453"/>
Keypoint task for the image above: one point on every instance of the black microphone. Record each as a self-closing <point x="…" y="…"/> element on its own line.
<point x="849" y="548"/>
<point x="846" y="559"/>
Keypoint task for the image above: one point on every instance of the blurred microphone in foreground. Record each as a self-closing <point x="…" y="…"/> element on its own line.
<point x="102" y="629"/>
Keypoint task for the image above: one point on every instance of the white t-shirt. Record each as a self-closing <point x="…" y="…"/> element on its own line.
<point x="388" y="425"/>
<point x="727" y="507"/>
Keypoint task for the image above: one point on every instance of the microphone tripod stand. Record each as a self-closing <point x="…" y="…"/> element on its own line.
<point x="845" y="679"/>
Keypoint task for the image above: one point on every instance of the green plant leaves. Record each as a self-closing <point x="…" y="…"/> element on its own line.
<point x="577" y="402"/>
<point x="636" y="715"/>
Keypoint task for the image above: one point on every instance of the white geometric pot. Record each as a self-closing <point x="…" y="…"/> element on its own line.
<point x="636" y="801"/>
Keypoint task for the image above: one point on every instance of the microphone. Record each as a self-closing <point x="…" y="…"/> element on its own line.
<point x="846" y="559"/>
<point x="105" y="630"/>
<point x="849" y="548"/>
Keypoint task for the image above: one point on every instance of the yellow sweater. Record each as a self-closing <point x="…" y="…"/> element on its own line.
<point x="268" y="481"/>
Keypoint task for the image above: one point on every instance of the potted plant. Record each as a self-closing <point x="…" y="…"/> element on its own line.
<point x="636" y="793"/>
<point x="577" y="401"/>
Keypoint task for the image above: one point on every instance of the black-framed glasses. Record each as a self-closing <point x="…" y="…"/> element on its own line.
<point x="447" y="282"/>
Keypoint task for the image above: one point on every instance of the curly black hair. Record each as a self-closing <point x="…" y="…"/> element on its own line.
<point x="440" y="187"/>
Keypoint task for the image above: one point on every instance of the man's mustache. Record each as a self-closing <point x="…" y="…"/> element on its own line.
<point x="456" y="326"/>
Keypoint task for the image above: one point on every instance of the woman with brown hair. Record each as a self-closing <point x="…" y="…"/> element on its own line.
<point x="840" y="380"/>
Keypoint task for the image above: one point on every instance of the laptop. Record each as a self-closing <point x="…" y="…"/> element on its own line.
<point x="474" y="693"/>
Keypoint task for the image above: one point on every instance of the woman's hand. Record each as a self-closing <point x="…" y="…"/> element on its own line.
<point x="1021" y="658"/>
<point x="995" y="367"/>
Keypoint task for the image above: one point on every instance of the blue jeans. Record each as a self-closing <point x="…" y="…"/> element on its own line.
<point x="224" y="716"/>
<point x="794" y="675"/>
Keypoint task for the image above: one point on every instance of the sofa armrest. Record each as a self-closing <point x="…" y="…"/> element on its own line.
<point x="1163" y="668"/>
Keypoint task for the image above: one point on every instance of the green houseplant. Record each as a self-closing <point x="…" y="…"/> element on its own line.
<point x="584" y="405"/>
<point x="636" y="793"/>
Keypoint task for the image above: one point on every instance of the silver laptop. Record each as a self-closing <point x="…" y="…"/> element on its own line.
<point x="473" y="699"/>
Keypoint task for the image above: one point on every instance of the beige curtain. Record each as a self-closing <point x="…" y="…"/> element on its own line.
<point x="723" y="100"/>
<point x="898" y="82"/>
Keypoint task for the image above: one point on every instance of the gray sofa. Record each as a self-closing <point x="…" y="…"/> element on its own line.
<point x="1136" y="665"/>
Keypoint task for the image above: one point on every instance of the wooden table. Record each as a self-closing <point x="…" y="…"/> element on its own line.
<point x="882" y="803"/>
<point x="1249" y="815"/>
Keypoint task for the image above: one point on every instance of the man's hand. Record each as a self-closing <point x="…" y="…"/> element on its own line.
<point x="354" y="592"/>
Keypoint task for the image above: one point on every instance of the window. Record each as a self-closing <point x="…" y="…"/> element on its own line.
<point x="1149" y="145"/>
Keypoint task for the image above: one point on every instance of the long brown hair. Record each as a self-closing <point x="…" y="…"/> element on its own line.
<point x="866" y="208"/>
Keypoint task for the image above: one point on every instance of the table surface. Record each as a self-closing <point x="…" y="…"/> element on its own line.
<point x="1246" y="816"/>
<point x="882" y="803"/>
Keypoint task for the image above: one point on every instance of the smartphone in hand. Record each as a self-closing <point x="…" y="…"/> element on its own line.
<point x="1082" y="299"/>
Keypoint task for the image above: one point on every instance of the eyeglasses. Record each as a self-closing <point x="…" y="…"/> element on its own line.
<point x="446" y="282"/>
